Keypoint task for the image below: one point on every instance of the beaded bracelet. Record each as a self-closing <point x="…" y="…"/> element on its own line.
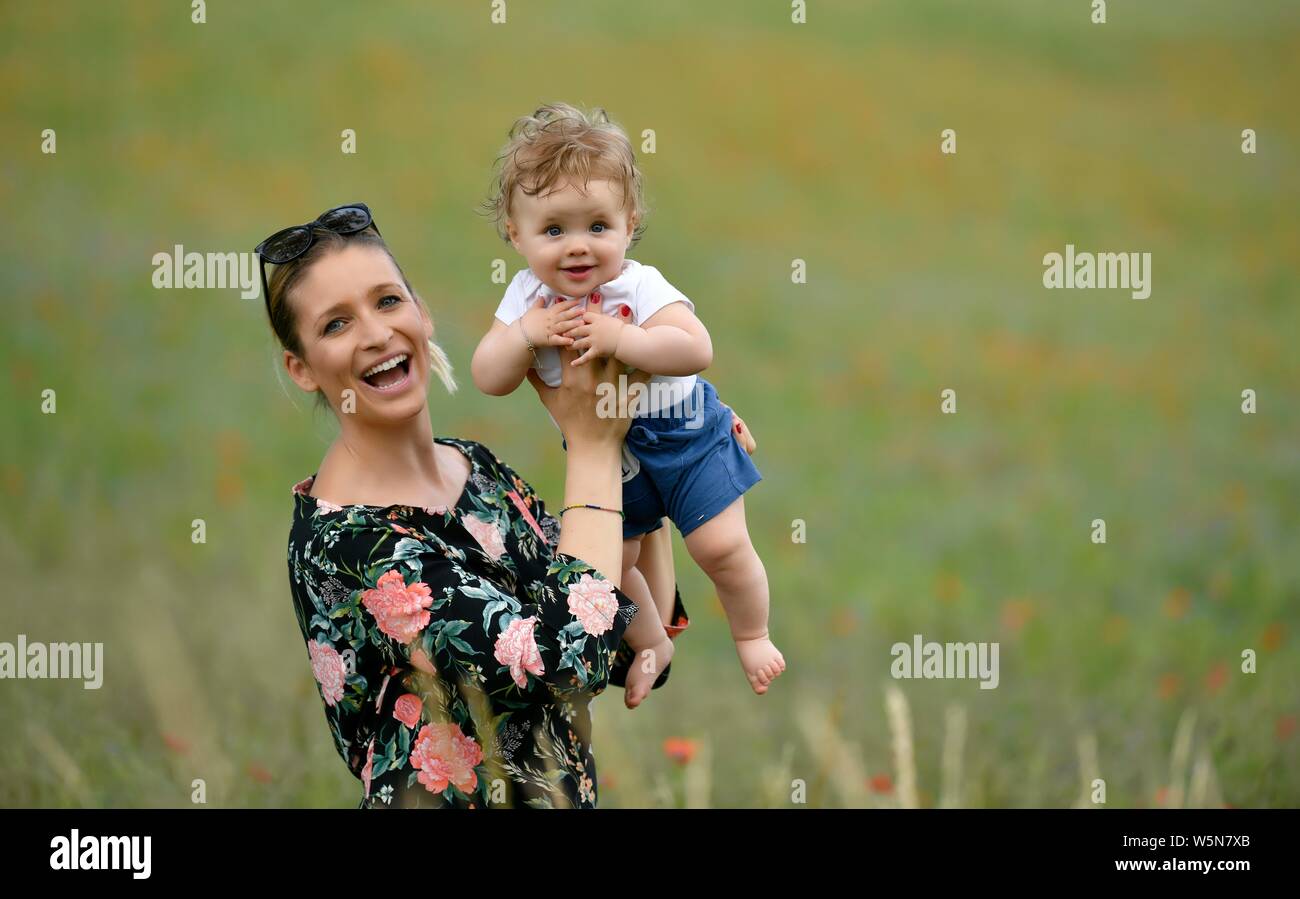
<point x="590" y="506"/>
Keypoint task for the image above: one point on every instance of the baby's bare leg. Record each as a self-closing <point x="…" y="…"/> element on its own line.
<point x="722" y="548"/>
<point x="656" y="565"/>
<point x="645" y="634"/>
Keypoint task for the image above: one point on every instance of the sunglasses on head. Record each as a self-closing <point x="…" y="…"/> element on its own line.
<point x="290" y="243"/>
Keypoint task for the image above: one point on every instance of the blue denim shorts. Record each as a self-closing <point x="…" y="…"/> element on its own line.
<point x="691" y="467"/>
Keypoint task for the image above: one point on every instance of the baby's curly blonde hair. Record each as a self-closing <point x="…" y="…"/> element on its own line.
<point x="560" y="142"/>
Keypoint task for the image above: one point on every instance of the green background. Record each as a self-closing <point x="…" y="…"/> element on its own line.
<point x="775" y="141"/>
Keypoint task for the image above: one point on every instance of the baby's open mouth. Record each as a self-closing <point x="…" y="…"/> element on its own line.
<point x="386" y="374"/>
<point x="579" y="270"/>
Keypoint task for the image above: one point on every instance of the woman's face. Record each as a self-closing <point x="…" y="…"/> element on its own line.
<point x="574" y="240"/>
<point x="354" y="314"/>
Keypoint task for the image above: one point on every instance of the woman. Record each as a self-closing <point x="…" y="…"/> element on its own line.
<point x="455" y="643"/>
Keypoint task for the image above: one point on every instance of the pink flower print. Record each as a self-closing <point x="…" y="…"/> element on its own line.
<point x="487" y="534"/>
<point x="592" y="601"/>
<point x="323" y="506"/>
<point x="528" y="516"/>
<point x="443" y="754"/>
<point x="517" y="648"/>
<point x="407" y="709"/>
<point x="327" y="666"/>
<point x="368" y="771"/>
<point x="399" y="610"/>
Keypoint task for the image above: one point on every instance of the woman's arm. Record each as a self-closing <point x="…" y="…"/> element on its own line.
<point x="593" y="473"/>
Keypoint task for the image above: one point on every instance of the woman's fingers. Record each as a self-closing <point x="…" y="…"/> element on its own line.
<point x="743" y="433"/>
<point x="567" y="355"/>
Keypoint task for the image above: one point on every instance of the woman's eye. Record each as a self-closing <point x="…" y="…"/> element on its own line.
<point x="600" y="225"/>
<point x="329" y="329"/>
<point x="555" y="228"/>
<point x="390" y="296"/>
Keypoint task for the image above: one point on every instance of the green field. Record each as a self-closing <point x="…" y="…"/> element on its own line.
<point x="775" y="142"/>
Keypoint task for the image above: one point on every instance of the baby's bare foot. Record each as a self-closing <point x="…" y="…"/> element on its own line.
<point x="762" y="662"/>
<point x="645" y="670"/>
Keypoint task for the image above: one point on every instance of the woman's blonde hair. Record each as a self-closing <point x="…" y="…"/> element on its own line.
<point x="284" y="277"/>
<point x="560" y="142"/>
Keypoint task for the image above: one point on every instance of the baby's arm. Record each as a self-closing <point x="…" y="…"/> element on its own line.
<point x="503" y="358"/>
<point x="671" y="342"/>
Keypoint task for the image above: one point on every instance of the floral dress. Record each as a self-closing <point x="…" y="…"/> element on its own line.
<point x="456" y="652"/>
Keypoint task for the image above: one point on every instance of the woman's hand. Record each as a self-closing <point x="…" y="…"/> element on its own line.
<point x="742" y="433"/>
<point x="573" y="404"/>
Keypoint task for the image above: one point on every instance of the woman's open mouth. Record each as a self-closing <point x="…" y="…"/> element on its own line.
<point x="389" y="375"/>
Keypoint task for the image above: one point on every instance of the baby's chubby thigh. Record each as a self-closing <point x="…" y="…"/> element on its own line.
<point x="631" y="552"/>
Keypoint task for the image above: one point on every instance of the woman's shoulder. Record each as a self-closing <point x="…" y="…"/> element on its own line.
<point x="482" y="454"/>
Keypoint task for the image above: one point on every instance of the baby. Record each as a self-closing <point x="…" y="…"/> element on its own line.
<point x="568" y="197"/>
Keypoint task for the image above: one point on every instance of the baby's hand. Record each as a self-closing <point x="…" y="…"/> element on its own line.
<point x="547" y="327"/>
<point x="598" y="333"/>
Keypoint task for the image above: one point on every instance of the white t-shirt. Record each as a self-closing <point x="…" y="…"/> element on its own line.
<point x="640" y="287"/>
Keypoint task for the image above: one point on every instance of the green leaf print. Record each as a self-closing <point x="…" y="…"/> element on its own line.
<point x="566" y="570"/>
<point x="407" y="548"/>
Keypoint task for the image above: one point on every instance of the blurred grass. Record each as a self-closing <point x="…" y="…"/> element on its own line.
<point x="775" y="142"/>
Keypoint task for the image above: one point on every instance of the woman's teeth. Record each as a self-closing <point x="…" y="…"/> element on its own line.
<point x="390" y="375"/>
<point x="385" y="366"/>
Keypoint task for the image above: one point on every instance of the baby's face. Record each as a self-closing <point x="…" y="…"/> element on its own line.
<point x="574" y="241"/>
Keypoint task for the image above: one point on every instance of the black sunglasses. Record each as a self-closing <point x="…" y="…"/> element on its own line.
<point x="290" y="243"/>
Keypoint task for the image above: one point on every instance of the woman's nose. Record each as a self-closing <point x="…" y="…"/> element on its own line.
<point x="375" y="331"/>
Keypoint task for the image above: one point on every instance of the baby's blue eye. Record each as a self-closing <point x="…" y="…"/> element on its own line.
<point x="600" y="225"/>
<point x="555" y="228"/>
